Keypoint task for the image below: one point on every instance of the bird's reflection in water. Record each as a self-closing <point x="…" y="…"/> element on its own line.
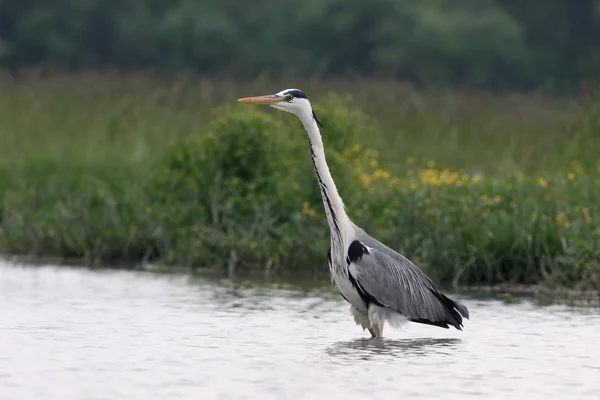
<point x="366" y="348"/>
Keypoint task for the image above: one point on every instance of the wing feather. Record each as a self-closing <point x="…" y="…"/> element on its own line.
<point x="397" y="283"/>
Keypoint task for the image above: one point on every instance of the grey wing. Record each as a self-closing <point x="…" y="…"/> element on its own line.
<point x="389" y="279"/>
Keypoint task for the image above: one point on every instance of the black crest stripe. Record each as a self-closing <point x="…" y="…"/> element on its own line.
<point x="296" y="93"/>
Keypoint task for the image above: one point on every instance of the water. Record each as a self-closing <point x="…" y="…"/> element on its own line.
<point x="68" y="333"/>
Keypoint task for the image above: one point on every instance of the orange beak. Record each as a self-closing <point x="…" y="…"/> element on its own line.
<point x="270" y="99"/>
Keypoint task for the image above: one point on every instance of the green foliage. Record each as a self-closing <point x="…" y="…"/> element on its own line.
<point x="509" y="229"/>
<point x="244" y="155"/>
<point x="132" y="169"/>
<point x="485" y="43"/>
<point x="247" y="184"/>
<point x="344" y="125"/>
<point x="65" y="213"/>
<point x="470" y="40"/>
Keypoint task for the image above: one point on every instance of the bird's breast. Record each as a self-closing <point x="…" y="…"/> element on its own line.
<point x="348" y="290"/>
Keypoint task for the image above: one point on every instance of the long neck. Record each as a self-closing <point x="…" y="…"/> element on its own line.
<point x="339" y="223"/>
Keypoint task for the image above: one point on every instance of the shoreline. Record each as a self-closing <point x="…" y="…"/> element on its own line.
<point x="537" y="291"/>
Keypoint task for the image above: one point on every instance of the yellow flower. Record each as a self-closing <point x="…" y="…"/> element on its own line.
<point x="371" y="153"/>
<point x="381" y="174"/>
<point x="306" y="210"/>
<point x="577" y="166"/>
<point x="373" y="162"/>
<point x="394" y="182"/>
<point x="484" y="198"/>
<point x="561" y="220"/>
<point x="542" y="182"/>
<point x="448" y="177"/>
<point x="430" y="164"/>
<point x="356" y="147"/>
<point x="586" y="215"/>
<point x="476" y="179"/>
<point x="430" y="177"/>
<point x="365" y="179"/>
<point x="433" y="177"/>
<point x="570" y="176"/>
<point x="497" y="199"/>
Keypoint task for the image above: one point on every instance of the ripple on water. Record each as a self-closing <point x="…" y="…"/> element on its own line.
<point x="74" y="333"/>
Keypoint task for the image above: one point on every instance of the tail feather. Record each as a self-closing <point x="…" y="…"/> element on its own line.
<point x="454" y="313"/>
<point x="461" y="309"/>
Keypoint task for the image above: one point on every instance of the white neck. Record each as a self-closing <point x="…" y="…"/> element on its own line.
<point x="339" y="222"/>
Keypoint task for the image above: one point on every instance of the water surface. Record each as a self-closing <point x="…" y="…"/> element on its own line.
<point x="73" y="333"/>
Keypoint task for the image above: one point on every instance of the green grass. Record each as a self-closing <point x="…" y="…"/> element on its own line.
<point x="90" y="117"/>
<point x="121" y="167"/>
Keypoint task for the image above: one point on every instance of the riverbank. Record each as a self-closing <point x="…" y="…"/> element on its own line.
<point x="476" y="189"/>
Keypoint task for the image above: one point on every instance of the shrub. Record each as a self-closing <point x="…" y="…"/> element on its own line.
<point x="75" y="214"/>
<point x="242" y="191"/>
<point x="247" y="185"/>
<point x="475" y="229"/>
<point x="243" y="159"/>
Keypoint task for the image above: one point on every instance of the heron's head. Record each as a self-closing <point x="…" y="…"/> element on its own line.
<point x="290" y="100"/>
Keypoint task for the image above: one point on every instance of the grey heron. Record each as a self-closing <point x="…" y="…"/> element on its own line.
<point x="379" y="283"/>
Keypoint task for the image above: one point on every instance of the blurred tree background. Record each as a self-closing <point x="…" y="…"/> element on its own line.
<point x="493" y="44"/>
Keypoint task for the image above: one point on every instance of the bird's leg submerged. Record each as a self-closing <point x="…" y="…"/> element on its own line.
<point x="376" y="316"/>
<point x="372" y="320"/>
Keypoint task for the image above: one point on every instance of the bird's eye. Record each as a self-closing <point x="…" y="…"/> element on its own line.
<point x="289" y="97"/>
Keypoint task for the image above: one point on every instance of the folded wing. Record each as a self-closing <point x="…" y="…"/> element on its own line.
<point x="389" y="279"/>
